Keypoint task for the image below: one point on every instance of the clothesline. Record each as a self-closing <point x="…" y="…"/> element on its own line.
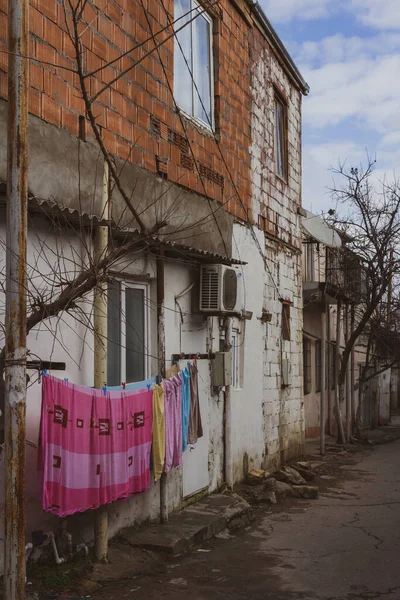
<point x="95" y="445"/>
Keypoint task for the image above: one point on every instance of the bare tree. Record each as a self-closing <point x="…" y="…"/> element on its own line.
<point x="368" y="218"/>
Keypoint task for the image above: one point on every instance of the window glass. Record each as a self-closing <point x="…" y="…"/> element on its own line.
<point x="318" y="365"/>
<point x="307" y="365"/>
<point x="183" y="64"/>
<point x="114" y="335"/>
<point x="280" y="137"/>
<point x="135" y="334"/>
<point x="286" y="322"/>
<point x="201" y="71"/>
<point x="193" y="62"/>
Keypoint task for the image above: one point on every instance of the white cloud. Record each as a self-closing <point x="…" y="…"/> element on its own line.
<point x="378" y="14"/>
<point x="283" y="11"/>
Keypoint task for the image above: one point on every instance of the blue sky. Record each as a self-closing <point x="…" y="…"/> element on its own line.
<point x="349" y="53"/>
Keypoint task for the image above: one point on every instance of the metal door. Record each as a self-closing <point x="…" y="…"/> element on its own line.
<point x="195" y="458"/>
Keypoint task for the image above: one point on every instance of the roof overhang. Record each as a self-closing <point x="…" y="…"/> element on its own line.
<point x="279" y="46"/>
<point x="316" y="228"/>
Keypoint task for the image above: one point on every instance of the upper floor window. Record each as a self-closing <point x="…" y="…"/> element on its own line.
<point x="280" y="137"/>
<point x="193" y="69"/>
<point x="128" y="338"/>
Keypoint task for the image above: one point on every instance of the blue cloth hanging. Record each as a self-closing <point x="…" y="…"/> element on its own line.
<point x="131" y="387"/>
<point x="185" y="378"/>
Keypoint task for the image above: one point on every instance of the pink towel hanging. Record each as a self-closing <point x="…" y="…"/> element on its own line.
<point x="94" y="448"/>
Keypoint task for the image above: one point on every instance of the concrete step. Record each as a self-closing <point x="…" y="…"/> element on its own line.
<point x="191" y="526"/>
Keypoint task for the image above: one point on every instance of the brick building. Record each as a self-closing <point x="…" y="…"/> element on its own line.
<point x="203" y="129"/>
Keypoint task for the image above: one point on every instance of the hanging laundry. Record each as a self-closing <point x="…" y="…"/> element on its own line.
<point x="195" y="426"/>
<point x="158" y="448"/>
<point x="130" y="387"/>
<point x="185" y="378"/>
<point x="173" y="422"/>
<point x="171" y="371"/>
<point x="94" y="448"/>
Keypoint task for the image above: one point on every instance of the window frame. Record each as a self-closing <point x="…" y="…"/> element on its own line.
<point x="307" y="375"/>
<point x="278" y="99"/>
<point x="318" y="365"/>
<point x="194" y="4"/>
<point x="286" y="321"/>
<point x="123" y="285"/>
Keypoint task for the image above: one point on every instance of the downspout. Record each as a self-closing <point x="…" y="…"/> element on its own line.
<point x="323" y="377"/>
<point x="100" y="355"/>
<point x="161" y="366"/>
<point x="16" y="286"/>
<point x="228" y="413"/>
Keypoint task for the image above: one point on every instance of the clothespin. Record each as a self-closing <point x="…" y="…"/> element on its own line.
<point x="175" y="362"/>
<point x="44" y="372"/>
<point x="123" y="383"/>
<point x="148" y="386"/>
<point x="104" y="388"/>
<point x="66" y="379"/>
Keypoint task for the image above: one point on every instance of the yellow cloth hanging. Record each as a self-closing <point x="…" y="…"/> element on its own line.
<point x="171" y="371"/>
<point x="158" y="431"/>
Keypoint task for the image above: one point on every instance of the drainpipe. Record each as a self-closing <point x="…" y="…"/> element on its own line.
<point x="228" y="413"/>
<point x="100" y="355"/>
<point x="323" y="377"/>
<point x="15" y="319"/>
<point x="161" y="367"/>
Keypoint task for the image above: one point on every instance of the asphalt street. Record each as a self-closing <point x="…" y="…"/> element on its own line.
<point x="343" y="546"/>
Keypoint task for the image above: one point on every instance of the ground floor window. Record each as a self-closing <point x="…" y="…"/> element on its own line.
<point x="307" y="365"/>
<point x="128" y="335"/>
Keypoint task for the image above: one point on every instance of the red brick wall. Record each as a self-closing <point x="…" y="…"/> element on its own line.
<point x="125" y="111"/>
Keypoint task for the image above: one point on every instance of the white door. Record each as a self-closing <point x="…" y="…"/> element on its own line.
<point x="195" y="457"/>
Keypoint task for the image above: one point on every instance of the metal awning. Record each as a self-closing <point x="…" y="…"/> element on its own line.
<point x="320" y="232"/>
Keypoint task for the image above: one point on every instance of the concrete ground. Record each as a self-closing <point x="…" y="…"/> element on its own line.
<point x="344" y="546"/>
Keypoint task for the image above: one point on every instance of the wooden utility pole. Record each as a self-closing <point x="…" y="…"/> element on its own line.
<point x="16" y="284"/>
<point x="100" y="356"/>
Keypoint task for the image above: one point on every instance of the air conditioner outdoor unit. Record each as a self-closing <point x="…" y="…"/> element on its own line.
<point x="221" y="289"/>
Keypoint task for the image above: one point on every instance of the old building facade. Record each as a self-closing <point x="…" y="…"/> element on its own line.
<point x="200" y="130"/>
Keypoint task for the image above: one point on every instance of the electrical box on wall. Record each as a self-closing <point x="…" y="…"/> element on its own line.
<point x="222" y="369"/>
<point x="285" y="372"/>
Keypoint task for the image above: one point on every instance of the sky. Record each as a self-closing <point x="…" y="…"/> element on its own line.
<point x="348" y="51"/>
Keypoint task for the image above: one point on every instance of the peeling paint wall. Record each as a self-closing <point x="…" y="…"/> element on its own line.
<point x="275" y="203"/>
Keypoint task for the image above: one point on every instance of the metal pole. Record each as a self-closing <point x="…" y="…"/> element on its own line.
<point x="161" y="368"/>
<point x="330" y="361"/>
<point x="323" y="378"/>
<point x="100" y="356"/>
<point x="352" y="370"/>
<point x="16" y="282"/>
<point x="228" y="413"/>
<point x="348" y="380"/>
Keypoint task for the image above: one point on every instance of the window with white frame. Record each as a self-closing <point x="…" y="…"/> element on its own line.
<point x="193" y="65"/>
<point x="128" y="333"/>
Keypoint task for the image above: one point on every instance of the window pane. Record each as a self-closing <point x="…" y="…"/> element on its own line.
<point x="114" y="335"/>
<point x="202" y="69"/>
<point x="279" y="138"/>
<point x="183" y="87"/>
<point x="135" y="335"/>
